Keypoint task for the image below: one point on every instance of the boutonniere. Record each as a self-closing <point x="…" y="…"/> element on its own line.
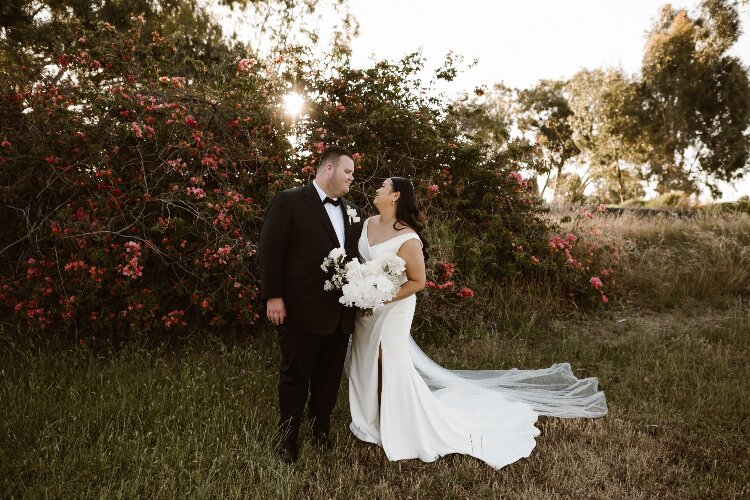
<point x="352" y="213"/>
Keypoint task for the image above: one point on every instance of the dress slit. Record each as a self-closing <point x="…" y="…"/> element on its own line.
<point x="380" y="377"/>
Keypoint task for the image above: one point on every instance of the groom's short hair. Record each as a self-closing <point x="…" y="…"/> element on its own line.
<point x="332" y="154"/>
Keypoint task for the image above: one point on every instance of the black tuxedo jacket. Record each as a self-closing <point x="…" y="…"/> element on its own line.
<point x="297" y="235"/>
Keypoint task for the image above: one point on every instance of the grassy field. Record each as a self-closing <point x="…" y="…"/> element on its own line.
<point x="199" y="421"/>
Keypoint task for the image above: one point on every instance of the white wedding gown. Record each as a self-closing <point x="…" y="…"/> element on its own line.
<point x="427" y="411"/>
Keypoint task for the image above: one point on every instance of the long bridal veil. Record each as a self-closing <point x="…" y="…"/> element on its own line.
<point x="552" y="391"/>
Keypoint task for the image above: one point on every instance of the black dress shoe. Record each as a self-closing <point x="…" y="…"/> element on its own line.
<point x="288" y="455"/>
<point x="323" y="442"/>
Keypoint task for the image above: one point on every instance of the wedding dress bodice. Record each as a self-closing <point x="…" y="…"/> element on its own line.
<point x="383" y="249"/>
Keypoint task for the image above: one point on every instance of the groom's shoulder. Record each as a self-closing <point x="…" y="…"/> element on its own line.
<point x="291" y="193"/>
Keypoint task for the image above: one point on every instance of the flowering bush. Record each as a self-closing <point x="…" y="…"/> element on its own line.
<point x="136" y="181"/>
<point x="587" y="256"/>
<point x="131" y="201"/>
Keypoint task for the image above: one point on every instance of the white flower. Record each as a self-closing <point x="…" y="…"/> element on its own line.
<point x="365" y="285"/>
<point x="335" y="259"/>
<point x="352" y="213"/>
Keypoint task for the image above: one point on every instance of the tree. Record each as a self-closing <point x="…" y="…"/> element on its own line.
<point x="487" y="115"/>
<point x="281" y="24"/>
<point x="606" y="124"/>
<point x="696" y="98"/>
<point x="30" y="29"/>
<point x="544" y="112"/>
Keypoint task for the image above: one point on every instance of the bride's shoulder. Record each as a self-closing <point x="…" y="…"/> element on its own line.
<point x="404" y="229"/>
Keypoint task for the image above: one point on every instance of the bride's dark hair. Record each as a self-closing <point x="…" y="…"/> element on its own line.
<point x="407" y="212"/>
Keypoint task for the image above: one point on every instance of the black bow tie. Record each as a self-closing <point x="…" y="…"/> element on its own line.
<point x="333" y="202"/>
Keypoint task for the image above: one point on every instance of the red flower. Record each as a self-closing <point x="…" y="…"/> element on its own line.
<point x="448" y="269"/>
<point x="190" y="122"/>
<point x="465" y="293"/>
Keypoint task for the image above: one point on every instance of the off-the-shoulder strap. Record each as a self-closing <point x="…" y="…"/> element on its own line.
<point x="406" y="237"/>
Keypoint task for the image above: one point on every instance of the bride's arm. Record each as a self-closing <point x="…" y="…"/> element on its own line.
<point x="411" y="252"/>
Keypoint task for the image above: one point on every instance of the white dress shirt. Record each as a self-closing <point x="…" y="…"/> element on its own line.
<point x="334" y="213"/>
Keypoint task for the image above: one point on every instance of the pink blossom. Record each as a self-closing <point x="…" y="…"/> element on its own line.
<point x="5" y="143"/>
<point x="173" y="318"/>
<point x="465" y="293"/>
<point x="133" y="246"/>
<point x="320" y="147"/>
<point x="601" y="208"/>
<point x="534" y="260"/>
<point x="605" y="299"/>
<point x="197" y="192"/>
<point x="245" y="64"/>
<point x="357" y="156"/>
<point x="596" y="282"/>
<point x="75" y="265"/>
<point x="137" y="129"/>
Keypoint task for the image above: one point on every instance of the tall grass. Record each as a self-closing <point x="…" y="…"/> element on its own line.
<point x="668" y="261"/>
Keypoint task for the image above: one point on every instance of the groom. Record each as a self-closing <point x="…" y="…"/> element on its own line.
<point x="301" y="227"/>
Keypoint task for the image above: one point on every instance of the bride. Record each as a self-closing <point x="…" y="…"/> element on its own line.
<point x="403" y="401"/>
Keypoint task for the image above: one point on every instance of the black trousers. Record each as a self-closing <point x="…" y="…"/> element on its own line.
<point x="309" y="364"/>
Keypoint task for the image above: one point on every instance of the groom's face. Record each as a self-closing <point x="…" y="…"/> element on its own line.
<point x="342" y="176"/>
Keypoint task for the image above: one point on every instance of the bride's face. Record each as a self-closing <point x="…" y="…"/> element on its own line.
<point x="384" y="194"/>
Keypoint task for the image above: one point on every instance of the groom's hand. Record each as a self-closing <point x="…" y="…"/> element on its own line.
<point x="275" y="310"/>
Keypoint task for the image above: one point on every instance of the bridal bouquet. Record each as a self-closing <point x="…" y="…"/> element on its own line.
<point x="364" y="285"/>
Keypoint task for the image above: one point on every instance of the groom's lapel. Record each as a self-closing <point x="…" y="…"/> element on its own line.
<point x="313" y="201"/>
<point x="347" y="225"/>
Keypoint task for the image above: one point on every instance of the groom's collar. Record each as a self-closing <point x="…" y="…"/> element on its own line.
<point x="321" y="193"/>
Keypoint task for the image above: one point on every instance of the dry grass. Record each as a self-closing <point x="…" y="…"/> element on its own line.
<point x="669" y="261"/>
<point x="173" y="424"/>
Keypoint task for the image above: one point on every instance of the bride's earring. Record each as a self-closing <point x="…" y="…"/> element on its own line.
<point x="393" y="202"/>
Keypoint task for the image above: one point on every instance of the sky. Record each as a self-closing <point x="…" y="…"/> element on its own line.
<point x="518" y="42"/>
